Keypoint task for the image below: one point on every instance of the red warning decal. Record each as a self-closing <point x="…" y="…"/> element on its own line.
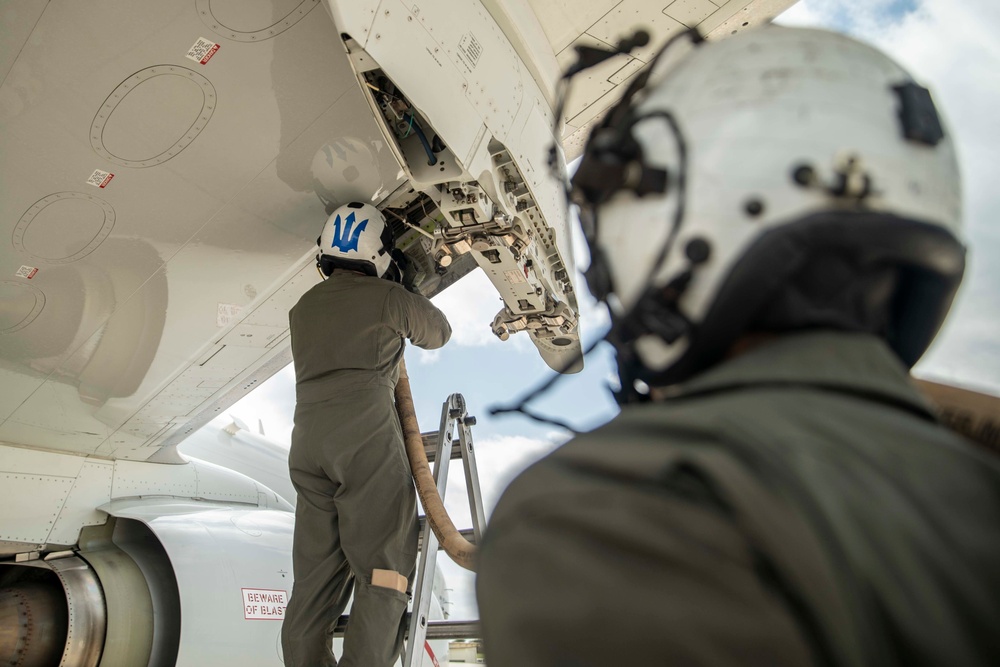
<point x="263" y="604"/>
<point x="27" y="272"/>
<point x="100" y="179"/>
<point x="202" y="51"/>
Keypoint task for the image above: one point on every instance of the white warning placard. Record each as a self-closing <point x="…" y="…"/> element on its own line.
<point x="469" y="50"/>
<point x="227" y="314"/>
<point x="100" y="178"/>
<point x="514" y="277"/>
<point x="264" y="604"/>
<point x="202" y="51"/>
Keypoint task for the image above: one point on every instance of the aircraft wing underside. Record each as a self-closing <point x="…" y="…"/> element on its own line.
<point x="164" y="172"/>
<point x="167" y="167"/>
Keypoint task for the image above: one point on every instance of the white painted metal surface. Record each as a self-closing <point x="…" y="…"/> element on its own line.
<point x="253" y="455"/>
<point x="568" y="23"/>
<point x="117" y="338"/>
<point x="220" y="557"/>
<point x="90" y="490"/>
<point x="47" y="497"/>
<point x="215" y="554"/>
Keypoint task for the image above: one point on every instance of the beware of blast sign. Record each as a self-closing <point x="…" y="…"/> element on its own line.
<point x="261" y="604"/>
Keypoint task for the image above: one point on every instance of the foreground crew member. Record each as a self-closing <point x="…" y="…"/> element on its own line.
<point x="781" y="495"/>
<point x="355" y="519"/>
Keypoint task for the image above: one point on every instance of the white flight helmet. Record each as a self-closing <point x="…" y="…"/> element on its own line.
<point x="356" y="237"/>
<point x="776" y="180"/>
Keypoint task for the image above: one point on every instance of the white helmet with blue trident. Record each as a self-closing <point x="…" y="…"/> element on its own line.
<point x="356" y="237"/>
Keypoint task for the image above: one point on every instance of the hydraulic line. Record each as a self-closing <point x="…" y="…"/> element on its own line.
<point x="457" y="547"/>
<point x="431" y="158"/>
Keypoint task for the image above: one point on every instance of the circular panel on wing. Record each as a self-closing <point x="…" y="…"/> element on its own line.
<point x="252" y="20"/>
<point x="152" y="116"/>
<point x="64" y="227"/>
<point x="20" y="304"/>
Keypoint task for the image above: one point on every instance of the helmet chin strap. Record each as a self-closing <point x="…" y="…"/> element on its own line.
<point x="656" y="313"/>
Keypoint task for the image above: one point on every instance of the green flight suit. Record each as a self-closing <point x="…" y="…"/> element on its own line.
<point x="795" y="505"/>
<point x="356" y="507"/>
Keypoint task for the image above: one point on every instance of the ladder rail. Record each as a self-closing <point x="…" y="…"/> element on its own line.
<point x="451" y="412"/>
<point x="471" y="477"/>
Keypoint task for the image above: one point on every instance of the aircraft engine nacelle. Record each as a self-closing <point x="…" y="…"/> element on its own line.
<point x="163" y="582"/>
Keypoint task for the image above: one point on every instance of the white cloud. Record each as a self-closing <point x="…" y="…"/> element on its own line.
<point x="427" y="357"/>
<point x="860" y="19"/>
<point x="952" y="48"/>
<point x="470" y="305"/>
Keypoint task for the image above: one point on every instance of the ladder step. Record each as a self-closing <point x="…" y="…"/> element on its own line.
<point x="467" y="533"/>
<point x="435" y="629"/>
<point x="430" y="446"/>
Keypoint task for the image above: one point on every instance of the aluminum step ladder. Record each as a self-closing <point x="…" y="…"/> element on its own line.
<point x="455" y="421"/>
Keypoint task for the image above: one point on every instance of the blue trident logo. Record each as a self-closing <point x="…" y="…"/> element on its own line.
<point x="348" y="240"/>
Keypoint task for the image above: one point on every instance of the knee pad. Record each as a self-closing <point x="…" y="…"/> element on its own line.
<point x="389" y="579"/>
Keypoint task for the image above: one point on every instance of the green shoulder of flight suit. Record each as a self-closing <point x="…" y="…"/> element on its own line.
<point x="795" y="505"/>
<point x="356" y="505"/>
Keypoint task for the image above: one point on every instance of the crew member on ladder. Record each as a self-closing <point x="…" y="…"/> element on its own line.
<point x="355" y="519"/>
<point x="774" y="221"/>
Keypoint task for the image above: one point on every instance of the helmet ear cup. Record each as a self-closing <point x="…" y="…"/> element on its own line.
<point x="614" y="161"/>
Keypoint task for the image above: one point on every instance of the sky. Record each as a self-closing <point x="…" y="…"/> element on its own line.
<point x="949" y="46"/>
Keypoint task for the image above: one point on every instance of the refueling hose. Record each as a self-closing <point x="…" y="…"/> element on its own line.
<point x="457" y="547"/>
